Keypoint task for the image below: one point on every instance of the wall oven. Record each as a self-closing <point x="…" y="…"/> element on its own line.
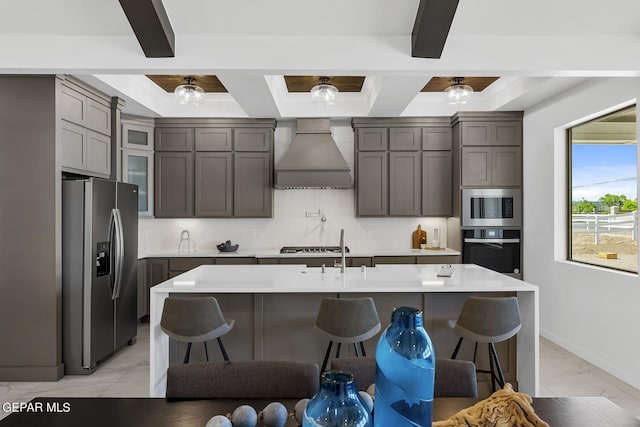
<point x="491" y="207"/>
<point x="494" y="248"/>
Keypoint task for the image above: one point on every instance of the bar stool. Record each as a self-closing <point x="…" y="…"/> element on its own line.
<point x="488" y="320"/>
<point x="347" y="320"/>
<point x="195" y="319"/>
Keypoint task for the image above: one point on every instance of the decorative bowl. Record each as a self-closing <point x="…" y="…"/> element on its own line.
<point x="225" y="247"/>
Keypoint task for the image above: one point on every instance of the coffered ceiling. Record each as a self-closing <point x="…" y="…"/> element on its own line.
<point x="255" y="50"/>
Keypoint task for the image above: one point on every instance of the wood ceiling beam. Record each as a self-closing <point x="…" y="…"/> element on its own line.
<point x="151" y="25"/>
<point x="431" y="27"/>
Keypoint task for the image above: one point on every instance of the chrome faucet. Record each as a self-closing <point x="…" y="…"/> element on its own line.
<point x="185" y="238"/>
<point x="343" y="261"/>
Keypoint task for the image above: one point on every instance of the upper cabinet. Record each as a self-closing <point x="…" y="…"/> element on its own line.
<point x="223" y="168"/>
<point x="137" y="159"/>
<point x="84" y="123"/>
<point x="490" y="147"/>
<point x="403" y="167"/>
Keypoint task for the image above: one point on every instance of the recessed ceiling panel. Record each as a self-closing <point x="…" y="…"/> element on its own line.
<point x="439" y="84"/>
<point x="170" y="82"/>
<point x="305" y="83"/>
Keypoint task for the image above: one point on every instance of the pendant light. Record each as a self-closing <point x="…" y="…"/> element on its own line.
<point x="189" y="92"/>
<point x="324" y="93"/>
<point x="458" y="92"/>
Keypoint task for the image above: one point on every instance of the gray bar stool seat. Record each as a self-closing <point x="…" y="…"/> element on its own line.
<point x="488" y="320"/>
<point x="195" y="319"/>
<point x="347" y="320"/>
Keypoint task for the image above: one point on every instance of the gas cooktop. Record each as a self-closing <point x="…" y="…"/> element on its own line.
<point x="311" y="249"/>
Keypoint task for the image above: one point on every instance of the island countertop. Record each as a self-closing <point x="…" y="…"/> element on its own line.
<point x="274" y="308"/>
<point x="302" y="279"/>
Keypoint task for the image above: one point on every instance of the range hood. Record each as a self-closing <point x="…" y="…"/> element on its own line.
<point x="313" y="159"/>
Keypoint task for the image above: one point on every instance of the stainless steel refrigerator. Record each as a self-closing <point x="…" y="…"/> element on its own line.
<point x="99" y="271"/>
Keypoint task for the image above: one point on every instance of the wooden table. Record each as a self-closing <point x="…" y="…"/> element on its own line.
<point x="157" y="412"/>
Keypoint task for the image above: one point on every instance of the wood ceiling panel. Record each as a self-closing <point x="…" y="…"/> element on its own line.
<point x="438" y="84"/>
<point x="207" y="83"/>
<point x="305" y="83"/>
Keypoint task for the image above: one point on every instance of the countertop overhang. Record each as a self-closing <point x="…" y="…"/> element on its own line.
<point x="301" y="279"/>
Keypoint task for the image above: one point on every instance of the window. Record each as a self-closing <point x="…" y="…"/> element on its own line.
<point x="603" y="222"/>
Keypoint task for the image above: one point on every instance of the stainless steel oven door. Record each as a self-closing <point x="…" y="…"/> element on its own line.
<point x="491" y="207"/>
<point x="499" y="254"/>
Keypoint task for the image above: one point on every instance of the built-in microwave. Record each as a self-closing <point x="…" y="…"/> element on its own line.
<point x="491" y="207"/>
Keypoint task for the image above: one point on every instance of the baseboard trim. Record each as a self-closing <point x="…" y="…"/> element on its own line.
<point x="31" y="373"/>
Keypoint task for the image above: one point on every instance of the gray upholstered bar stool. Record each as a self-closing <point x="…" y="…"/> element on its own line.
<point x="195" y="319"/>
<point x="347" y="320"/>
<point x="488" y="320"/>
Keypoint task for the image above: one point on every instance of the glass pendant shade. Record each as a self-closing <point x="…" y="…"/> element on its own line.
<point x="458" y="93"/>
<point x="189" y="93"/>
<point x="324" y="93"/>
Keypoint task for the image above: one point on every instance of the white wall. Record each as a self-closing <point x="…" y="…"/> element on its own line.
<point x="289" y="226"/>
<point x="591" y="311"/>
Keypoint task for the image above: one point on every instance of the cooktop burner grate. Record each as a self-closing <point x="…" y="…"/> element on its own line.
<point x="311" y="249"/>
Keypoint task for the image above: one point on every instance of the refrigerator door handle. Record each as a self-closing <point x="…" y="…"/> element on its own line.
<point x="119" y="253"/>
<point x="113" y="254"/>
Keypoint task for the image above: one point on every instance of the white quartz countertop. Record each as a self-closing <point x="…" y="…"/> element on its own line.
<point x="275" y="253"/>
<point x="301" y="279"/>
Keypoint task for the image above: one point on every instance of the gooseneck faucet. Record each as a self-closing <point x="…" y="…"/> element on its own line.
<point x="343" y="261"/>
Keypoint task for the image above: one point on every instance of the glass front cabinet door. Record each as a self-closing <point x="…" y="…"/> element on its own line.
<point x="137" y="161"/>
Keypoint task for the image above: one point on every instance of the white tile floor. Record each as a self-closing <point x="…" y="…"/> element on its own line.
<point x="126" y="374"/>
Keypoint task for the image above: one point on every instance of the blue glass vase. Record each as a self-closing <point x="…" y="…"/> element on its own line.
<point x="405" y="363"/>
<point x="336" y="404"/>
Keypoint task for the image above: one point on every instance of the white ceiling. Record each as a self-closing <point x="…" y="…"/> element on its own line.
<point x="538" y="48"/>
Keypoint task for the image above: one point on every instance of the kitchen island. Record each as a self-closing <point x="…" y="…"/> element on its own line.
<point x="274" y="307"/>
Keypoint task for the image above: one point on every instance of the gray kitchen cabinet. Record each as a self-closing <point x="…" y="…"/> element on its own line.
<point x="174" y="188"/>
<point x="506" y="166"/>
<point x="174" y="139"/>
<point x="79" y="107"/>
<point x="437" y="138"/>
<point x="213" y="184"/>
<point x="372" y="183"/>
<point x="372" y="139"/>
<point x="439" y="259"/>
<point x="437" y="186"/>
<point x="405" y="139"/>
<point x="393" y="260"/>
<point x="235" y="261"/>
<point x="252" y="139"/>
<point x="492" y="133"/>
<point x="404" y="183"/>
<point x="491" y="166"/>
<point x="230" y="172"/>
<point x="143" y="290"/>
<point x="137" y="161"/>
<point x="84" y="150"/>
<point x="213" y="139"/>
<point x="252" y="192"/>
<point x="179" y="265"/>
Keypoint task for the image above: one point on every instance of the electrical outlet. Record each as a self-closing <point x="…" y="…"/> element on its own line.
<point x="252" y="232"/>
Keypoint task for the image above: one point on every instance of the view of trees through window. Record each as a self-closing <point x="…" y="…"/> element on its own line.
<point x="604" y="202"/>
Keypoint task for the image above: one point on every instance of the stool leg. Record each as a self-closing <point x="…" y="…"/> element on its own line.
<point x="475" y="352"/>
<point x="500" y="377"/>
<point x="362" y="350"/>
<point x="492" y="371"/>
<point x="224" y="352"/>
<point x="206" y="351"/>
<point x="187" y="354"/>
<point x="455" y="351"/>
<point x="338" y="350"/>
<point x="326" y="357"/>
<point x="355" y="347"/>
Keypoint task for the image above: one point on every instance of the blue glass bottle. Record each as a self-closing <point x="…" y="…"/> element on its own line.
<point x="336" y="404"/>
<point x="405" y="363"/>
